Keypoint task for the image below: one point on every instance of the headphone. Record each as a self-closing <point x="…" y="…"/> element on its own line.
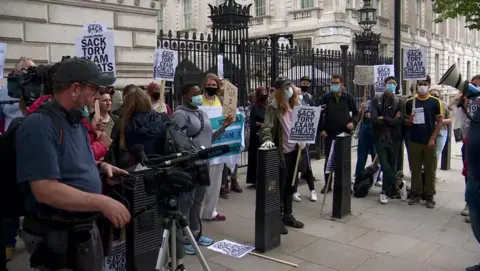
<point x="74" y="116"/>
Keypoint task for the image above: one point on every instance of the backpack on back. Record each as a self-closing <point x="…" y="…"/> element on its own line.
<point x="12" y="196"/>
<point x="176" y="140"/>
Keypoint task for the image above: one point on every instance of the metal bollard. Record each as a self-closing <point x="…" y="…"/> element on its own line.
<point x="342" y="190"/>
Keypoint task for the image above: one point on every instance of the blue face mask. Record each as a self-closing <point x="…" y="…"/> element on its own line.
<point x="197" y="100"/>
<point x="288" y="93"/>
<point x="335" y="88"/>
<point x="85" y="112"/>
<point x="390" y="88"/>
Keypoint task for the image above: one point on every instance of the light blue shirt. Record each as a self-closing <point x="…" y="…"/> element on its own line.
<point x="9" y="111"/>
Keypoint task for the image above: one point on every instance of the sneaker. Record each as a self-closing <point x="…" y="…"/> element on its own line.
<point x="414" y="200"/>
<point x="313" y="196"/>
<point x="403" y="191"/>
<point x="383" y="199"/>
<point x="189" y="250"/>
<point x="379" y="183"/>
<point x="235" y="186"/>
<point x="467" y="219"/>
<point x="205" y="241"/>
<point x="465" y="211"/>
<point x="296" y="197"/>
<point x="9" y="251"/>
<point x="473" y="268"/>
<point x="430" y="203"/>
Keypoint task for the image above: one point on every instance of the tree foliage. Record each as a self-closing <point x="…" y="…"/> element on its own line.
<point x="450" y="9"/>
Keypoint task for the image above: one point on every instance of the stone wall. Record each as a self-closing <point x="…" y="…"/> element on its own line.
<point x="45" y="30"/>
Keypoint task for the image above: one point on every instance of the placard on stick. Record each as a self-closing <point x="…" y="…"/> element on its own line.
<point x="364" y="75"/>
<point x="97" y="45"/>
<point x="165" y="63"/>
<point x="304" y="124"/>
<point x="414" y="63"/>
<point x="230" y="98"/>
<point x="381" y="72"/>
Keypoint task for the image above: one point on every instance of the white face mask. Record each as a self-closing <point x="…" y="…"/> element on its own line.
<point x="422" y="90"/>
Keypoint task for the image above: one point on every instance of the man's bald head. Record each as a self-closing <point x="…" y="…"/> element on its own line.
<point x="24" y="63"/>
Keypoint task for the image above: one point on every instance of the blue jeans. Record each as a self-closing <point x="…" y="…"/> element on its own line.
<point x="472" y="195"/>
<point x="365" y="147"/>
<point x="10" y="228"/>
<point x="440" y="143"/>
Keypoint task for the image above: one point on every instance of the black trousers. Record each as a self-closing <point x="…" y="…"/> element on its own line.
<point x="286" y="177"/>
<point x="328" y="146"/>
<point x="3" y="262"/>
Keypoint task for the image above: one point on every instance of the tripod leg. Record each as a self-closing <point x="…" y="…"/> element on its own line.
<point x="163" y="250"/>
<point x="173" y="246"/>
<point x="198" y="252"/>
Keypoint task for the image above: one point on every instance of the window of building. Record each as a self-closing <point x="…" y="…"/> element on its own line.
<point x="469" y="70"/>
<point x="187" y="14"/>
<point x="418" y="13"/>
<point x="260" y="7"/>
<point x="160" y="18"/>
<point x="437" y="67"/>
<point x="383" y="50"/>
<point x="435" y="26"/>
<point x="219" y="2"/>
<point x="458" y="65"/>
<point x="307" y="4"/>
<point x="379" y="7"/>
<point x="304" y="43"/>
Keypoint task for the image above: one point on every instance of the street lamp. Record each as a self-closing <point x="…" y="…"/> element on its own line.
<point x="367" y="42"/>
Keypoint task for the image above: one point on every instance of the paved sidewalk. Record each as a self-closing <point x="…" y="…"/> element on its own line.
<point x="393" y="237"/>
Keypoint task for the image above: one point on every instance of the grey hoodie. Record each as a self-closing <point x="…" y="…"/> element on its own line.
<point x="190" y="118"/>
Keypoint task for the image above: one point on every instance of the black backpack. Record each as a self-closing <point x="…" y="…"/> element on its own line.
<point x="364" y="181"/>
<point x="12" y="196"/>
<point x="175" y="140"/>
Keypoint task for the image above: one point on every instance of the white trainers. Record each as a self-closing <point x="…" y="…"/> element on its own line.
<point x="403" y="192"/>
<point x="383" y="199"/>
<point x="465" y="211"/>
<point x="296" y="197"/>
<point x="379" y="183"/>
<point x="313" y="195"/>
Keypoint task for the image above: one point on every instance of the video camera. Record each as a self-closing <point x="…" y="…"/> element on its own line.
<point x="31" y="83"/>
<point x="167" y="173"/>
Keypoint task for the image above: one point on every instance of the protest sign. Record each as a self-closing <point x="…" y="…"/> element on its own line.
<point x="234" y="135"/>
<point x="304" y="124"/>
<point x="117" y="261"/>
<point x="363" y="75"/>
<point x="220" y="66"/>
<point x="230" y="97"/>
<point x="414" y="63"/>
<point x="330" y="168"/>
<point x="230" y="248"/>
<point x="381" y="72"/>
<point x="94" y="28"/>
<point x="3" y="55"/>
<point x="100" y="48"/>
<point x="165" y="63"/>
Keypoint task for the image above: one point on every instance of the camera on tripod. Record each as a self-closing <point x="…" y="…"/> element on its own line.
<point x="33" y="82"/>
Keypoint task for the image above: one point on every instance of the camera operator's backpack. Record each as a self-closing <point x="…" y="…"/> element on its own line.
<point x="176" y="140"/>
<point x="12" y="196"/>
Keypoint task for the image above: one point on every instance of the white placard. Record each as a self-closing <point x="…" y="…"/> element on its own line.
<point x="414" y="63"/>
<point x="220" y="66"/>
<point x="304" y="124"/>
<point x="381" y="73"/>
<point x="331" y="161"/>
<point x="3" y="55"/>
<point x="363" y="75"/>
<point x="100" y="48"/>
<point x="230" y="248"/>
<point x="165" y="63"/>
<point x="230" y="99"/>
<point x="94" y="28"/>
<point x="418" y="115"/>
<point x="117" y="261"/>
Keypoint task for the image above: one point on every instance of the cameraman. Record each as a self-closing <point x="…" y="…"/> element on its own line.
<point x="9" y="112"/>
<point x="200" y="131"/>
<point x="61" y="179"/>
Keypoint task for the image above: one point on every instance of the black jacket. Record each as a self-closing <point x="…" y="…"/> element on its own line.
<point x="336" y="114"/>
<point x="388" y="113"/>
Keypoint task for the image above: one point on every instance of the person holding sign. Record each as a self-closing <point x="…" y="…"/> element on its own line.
<point x="277" y="127"/>
<point x="426" y="121"/>
<point x="336" y="119"/>
<point x="387" y="111"/>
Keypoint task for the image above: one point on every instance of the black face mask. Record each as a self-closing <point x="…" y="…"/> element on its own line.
<point x="156" y="95"/>
<point x="263" y="98"/>
<point x="304" y="88"/>
<point x="211" y="91"/>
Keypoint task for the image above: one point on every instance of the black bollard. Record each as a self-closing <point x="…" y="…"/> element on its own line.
<point x="447" y="151"/>
<point x="342" y="185"/>
<point x="267" y="205"/>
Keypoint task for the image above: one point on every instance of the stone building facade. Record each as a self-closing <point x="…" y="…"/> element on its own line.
<point x="45" y="30"/>
<point x="330" y="23"/>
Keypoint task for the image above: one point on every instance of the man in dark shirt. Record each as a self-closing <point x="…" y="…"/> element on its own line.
<point x="305" y="85"/>
<point x="58" y="165"/>
<point x="387" y="112"/>
<point x="336" y="119"/>
<point x="424" y="115"/>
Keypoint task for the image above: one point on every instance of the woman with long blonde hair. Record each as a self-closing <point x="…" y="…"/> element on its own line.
<point x="275" y="131"/>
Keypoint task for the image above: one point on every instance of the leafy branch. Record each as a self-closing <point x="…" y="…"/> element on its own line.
<point x="448" y="9"/>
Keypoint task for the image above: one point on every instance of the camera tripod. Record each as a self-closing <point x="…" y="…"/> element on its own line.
<point x="169" y="225"/>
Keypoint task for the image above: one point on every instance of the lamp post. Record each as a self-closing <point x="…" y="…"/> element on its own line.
<point x="367" y="42"/>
